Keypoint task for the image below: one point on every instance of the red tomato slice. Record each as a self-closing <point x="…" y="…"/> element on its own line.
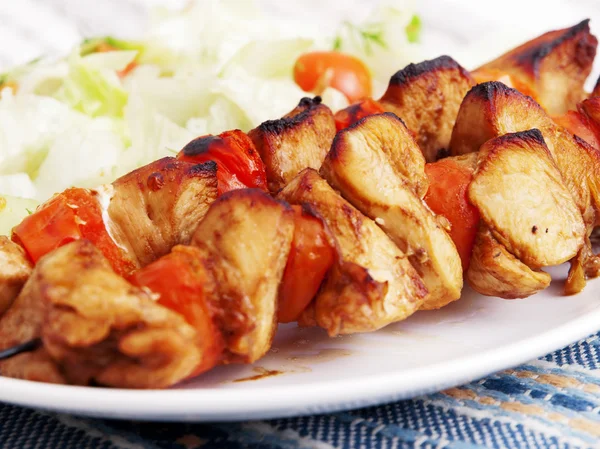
<point x="71" y="215"/>
<point x="239" y="165"/>
<point x="92" y="227"/>
<point x="311" y="257"/>
<point x="180" y="280"/>
<point x="353" y="113"/>
<point x="447" y="196"/>
<point x="52" y="225"/>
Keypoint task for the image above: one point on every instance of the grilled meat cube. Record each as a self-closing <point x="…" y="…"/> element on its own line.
<point x="95" y="326"/>
<point x="492" y="109"/>
<point x="494" y="271"/>
<point x="522" y="199"/>
<point x="36" y="366"/>
<point x="15" y="268"/>
<point x="585" y="265"/>
<point x="159" y="206"/>
<point x="363" y="166"/>
<point x="396" y="148"/>
<point x="372" y="284"/>
<point x="427" y="97"/>
<point x="554" y="65"/>
<point x="468" y="161"/>
<point x="298" y="140"/>
<point x="245" y="239"/>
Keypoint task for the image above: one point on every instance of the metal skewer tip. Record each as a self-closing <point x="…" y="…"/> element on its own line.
<point x="28" y="346"/>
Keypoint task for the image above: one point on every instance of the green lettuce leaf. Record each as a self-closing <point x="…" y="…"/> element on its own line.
<point x="92" y="85"/>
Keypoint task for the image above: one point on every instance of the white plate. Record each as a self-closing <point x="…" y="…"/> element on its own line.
<point x="428" y="352"/>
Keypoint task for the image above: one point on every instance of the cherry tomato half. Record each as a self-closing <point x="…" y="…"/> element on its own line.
<point x="315" y="71"/>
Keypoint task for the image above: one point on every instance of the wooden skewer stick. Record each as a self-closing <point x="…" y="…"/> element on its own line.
<point x="28" y="346"/>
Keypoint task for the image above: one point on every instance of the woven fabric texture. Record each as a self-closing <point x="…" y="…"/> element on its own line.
<point x="553" y="402"/>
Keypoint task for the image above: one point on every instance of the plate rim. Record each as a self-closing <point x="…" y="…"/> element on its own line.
<point x="210" y="405"/>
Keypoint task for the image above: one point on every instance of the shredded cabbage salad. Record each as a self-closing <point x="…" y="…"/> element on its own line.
<point x="77" y="122"/>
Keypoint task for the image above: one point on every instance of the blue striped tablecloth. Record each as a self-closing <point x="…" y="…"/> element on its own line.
<point x="553" y="402"/>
